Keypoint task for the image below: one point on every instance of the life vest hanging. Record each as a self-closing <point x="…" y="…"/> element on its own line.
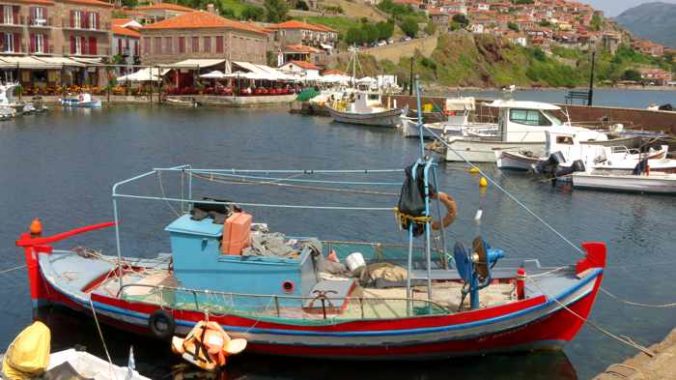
<point x="207" y="346"/>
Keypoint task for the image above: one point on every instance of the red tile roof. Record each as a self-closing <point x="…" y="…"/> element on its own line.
<point x="121" y="31"/>
<point x="166" y="7"/>
<point x="295" y="24"/>
<point x="333" y="72"/>
<point x="202" y="20"/>
<point x="305" y="65"/>
<point x="45" y="2"/>
<point x="120" y="21"/>
<point x="95" y="3"/>
<point x="301" y="49"/>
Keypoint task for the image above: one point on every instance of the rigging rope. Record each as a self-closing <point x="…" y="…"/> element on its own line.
<point x="292" y="179"/>
<point x="510" y="195"/>
<point x="302" y="187"/>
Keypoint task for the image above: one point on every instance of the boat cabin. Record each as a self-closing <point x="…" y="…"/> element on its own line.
<point x="525" y="121"/>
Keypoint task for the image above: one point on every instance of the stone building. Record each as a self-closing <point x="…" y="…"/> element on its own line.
<point x="202" y="35"/>
<point x="158" y="12"/>
<point x="295" y="32"/>
<point x="55" y="28"/>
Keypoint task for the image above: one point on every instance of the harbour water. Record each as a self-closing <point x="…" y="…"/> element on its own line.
<point x="60" y="167"/>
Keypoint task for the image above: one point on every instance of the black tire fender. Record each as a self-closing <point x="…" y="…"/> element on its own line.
<point x="162" y="325"/>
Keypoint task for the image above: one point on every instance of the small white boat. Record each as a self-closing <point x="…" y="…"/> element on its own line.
<point x="90" y="366"/>
<point x="457" y="112"/>
<point x="364" y="108"/>
<point x="7" y="112"/>
<point x="84" y="100"/>
<point x="565" y="145"/>
<point x="521" y="126"/>
<point x="659" y="183"/>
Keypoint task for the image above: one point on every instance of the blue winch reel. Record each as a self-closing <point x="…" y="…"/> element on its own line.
<point x="474" y="267"/>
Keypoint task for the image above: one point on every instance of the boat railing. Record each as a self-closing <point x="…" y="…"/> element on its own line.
<point x="321" y="308"/>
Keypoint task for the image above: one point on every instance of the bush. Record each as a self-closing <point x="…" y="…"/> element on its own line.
<point x="632" y="75"/>
<point x="513" y="26"/>
<point x="253" y="13"/>
<point x="461" y="20"/>
<point x="409" y="26"/>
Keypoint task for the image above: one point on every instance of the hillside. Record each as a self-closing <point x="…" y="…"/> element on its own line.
<point x="653" y="21"/>
<point x="479" y="60"/>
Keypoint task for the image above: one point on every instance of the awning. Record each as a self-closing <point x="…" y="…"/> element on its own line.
<point x="144" y="75"/>
<point x="61" y="61"/>
<point x="263" y="72"/>
<point x="195" y="63"/>
<point x="214" y="75"/>
<point x="89" y="61"/>
<point x="26" y="63"/>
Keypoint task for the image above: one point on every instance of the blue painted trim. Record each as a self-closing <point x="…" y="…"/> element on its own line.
<point x="426" y="330"/>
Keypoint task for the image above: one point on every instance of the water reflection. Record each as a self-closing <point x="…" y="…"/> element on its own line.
<point x="154" y="359"/>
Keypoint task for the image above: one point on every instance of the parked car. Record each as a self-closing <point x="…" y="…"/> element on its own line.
<point x="382" y="43"/>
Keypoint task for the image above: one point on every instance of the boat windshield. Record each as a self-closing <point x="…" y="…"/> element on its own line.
<point x="553" y="118"/>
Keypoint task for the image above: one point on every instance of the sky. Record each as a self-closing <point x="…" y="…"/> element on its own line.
<point x="612" y="8"/>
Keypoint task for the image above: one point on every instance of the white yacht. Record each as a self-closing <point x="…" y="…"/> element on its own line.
<point x="366" y="108"/>
<point x="521" y="125"/>
<point x="457" y="112"/>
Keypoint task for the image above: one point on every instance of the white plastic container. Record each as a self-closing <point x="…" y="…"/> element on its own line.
<point x="355" y="261"/>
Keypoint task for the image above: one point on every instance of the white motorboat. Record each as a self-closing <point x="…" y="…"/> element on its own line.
<point x="84" y="100"/>
<point x="563" y="148"/>
<point x="365" y="108"/>
<point x="521" y="125"/>
<point x="659" y="183"/>
<point x="457" y="112"/>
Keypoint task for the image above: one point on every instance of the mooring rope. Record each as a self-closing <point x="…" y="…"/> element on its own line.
<point x="625" y="340"/>
<point x="662" y="306"/>
<point x="103" y="341"/>
<point x="12" y="269"/>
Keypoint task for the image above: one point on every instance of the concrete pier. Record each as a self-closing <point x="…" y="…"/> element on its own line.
<point x="641" y="366"/>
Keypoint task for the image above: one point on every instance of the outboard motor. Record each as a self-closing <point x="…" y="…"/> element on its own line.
<point x="550" y="165"/>
<point x="577" y="166"/>
<point x="474" y="267"/>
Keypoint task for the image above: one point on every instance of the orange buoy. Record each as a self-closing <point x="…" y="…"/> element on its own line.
<point x="36" y="227"/>
<point x="451" y="210"/>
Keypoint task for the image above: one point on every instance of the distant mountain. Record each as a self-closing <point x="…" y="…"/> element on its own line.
<point x="653" y="21"/>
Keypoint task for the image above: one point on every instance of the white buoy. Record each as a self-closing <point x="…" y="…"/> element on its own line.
<point x="477" y="216"/>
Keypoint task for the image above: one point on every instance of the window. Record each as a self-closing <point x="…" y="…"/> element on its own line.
<point x="78" y="46"/>
<point x="206" y="41"/>
<point x="38" y="43"/>
<point x="552" y="117"/>
<point x="528" y="117"/>
<point x="219" y="44"/>
<point x="168" y="45"/>
<point x="181" y="45"/>
<point x="77" y="19"/>
<point x="93" y="49"/>
<point x="195" y="44"/>
<point x="9" y="42"/>
<point x="157" y="45"/>
<point x="146" y="45"/>
<point x="93" y="20"/>
<point x="38" y="16"/>
<point x="8" y="14"/>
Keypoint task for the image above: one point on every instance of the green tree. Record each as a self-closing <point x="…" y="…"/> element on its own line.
<point x="385" y="29"/>
<point x="355" y="36"/>
<point x="632" y="75"/>
<point x="545" y="23"/>
<point x="253" y="13"/>
<point x="596" y="22"/>
<point x="129" y="3"/>
<point x="461" y="20"/>
<point x="276" y="10"/>
<point x="409" y="26"/>
<point x="513" y="26"/>
<point x="430" y="28"/>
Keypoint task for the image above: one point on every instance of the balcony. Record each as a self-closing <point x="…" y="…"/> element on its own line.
<point x="13" y="21"/>
<point x="100" y="28"/>
<point x="48" y="51"/>
<point x="39" y="23"/>
<point x="100" y="52"/>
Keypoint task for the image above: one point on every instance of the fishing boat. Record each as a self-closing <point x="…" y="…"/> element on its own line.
<point x="365" y="108"/>
<point x="83" y="100"/>
<point x="289" y="295"/>
<point x="521" y="126"/>
<point x="657" y="183"/>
